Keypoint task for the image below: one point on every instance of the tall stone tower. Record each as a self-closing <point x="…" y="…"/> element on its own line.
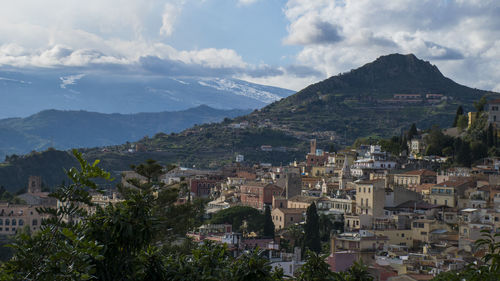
<point x="35" y="184"/>
<point x="313" y="146"/>
<point x="345" y="174"/>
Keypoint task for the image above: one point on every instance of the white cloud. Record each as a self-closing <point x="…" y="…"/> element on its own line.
<point x="215" y="58"/>
<point x="460" y="37"/>
<point x="246" y="2"/>
<point x="170" y="14"/>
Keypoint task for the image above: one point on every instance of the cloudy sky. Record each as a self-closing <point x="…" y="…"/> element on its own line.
<point x="282" y="43"/>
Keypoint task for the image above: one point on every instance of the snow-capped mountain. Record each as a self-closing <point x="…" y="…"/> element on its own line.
<point x="27" y="91"/>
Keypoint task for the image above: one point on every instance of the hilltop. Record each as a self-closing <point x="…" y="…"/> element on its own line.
<point x="371" y="100"/>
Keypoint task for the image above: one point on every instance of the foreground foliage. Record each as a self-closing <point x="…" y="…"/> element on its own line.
<point x="140" y="238"/>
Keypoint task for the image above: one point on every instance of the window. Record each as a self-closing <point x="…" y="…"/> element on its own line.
<point x="423" y="233"/>
<point x="34" y="222"/>
<point x="13" y="221"/>
<point x="7" y="222"/>
<point x="1" y="221"/>
<point x="291" y="218"/>
<point x="402" y="235"/>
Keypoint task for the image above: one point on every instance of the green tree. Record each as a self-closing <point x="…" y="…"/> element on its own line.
<point x="358" y="272"/>
<point x="311" y="230"/>
<point x="237" y="215"/>
<point x="490" y="139"/>
<point x="478" y="150"/>
<point x="60" y="250"/>
<point x="460" y="112"/>
<point x="462" y="122"/>
<point x="250" y="267"/>
<point x="326" y="226"/>
<point x="479" y="105"/>
<point x="463" y="155"/>
<point x="412" y="132"/>
<point x="316" y="269"/>
<point x="268" y="223"/>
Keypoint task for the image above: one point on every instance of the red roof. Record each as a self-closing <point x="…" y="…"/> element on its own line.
<point x="494" y="101"/>
<point x="421" y="172"/>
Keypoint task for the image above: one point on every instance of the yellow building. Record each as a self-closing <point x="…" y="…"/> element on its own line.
<point x="472" y="117"/>
<point x="411" y="179"/>
<point x="402" y="237"/>
<point x="14" y="217"/>
<point x="370" y="197"/>
<point x="421" y="229"/>
<point x="282" y="218"/>
<point x="447" y="193"/>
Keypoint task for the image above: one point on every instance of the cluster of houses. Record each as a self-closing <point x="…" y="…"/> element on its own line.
<point x="24" y="216"/>
<point x="400" y="218"/>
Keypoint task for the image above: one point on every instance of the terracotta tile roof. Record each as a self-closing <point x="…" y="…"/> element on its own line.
<point x="424" y="187"/>
<point x="454" y="183"/>
<point x="494" y="101"/>
<point x="421" y="172"/>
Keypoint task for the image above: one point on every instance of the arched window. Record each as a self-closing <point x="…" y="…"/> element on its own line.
<point x="1" y="221"/>
<point x="21" y="222"/>
<point x="7" y="222"/>
<point x="14" y="222"/>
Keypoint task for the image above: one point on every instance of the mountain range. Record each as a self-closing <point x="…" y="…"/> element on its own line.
<point x="379" y="99"/>
<point x="28" y="91"/>
<point x="75" y="129"/>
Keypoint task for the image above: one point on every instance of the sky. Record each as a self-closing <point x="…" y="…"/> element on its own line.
<point x="288" y="44"/>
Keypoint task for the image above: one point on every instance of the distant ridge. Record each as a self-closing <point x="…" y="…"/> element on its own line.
<point x="72" y="129"/>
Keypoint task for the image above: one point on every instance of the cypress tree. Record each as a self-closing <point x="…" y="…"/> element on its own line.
<point x="268" y="223"/>
<point x="495" y="138"/>
<point x="413" y="131"/>
<point x="490" y="141"/>
<point x="464" y="155"/>
<point x="460" y="112"/>
<point x="311" y="229"/>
